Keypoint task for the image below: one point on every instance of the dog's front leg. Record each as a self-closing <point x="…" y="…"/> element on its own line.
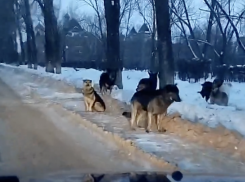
<point x="110" y="90"/>
<point x="150" y="115"/>
<point x="86" y="105"/>
<point x="159" y="117"/>
<point x="104" y="90"/>
<point x="140" y="116"/>
<point x="91" y="106"/>
<point x="133" y="116"/>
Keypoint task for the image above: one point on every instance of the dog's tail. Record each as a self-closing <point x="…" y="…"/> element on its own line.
<point x="127" y="114"/>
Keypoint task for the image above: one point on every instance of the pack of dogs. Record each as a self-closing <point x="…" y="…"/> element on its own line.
<point x="148" y="101"/>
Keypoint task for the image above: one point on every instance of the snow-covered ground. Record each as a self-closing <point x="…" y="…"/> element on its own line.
<point x="193" y="107"/>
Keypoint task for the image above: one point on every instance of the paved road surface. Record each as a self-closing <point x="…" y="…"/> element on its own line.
<point x="36" y="139"/>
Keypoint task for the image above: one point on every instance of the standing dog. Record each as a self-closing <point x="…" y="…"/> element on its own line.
<point x="149" y="83"/>
<point x="92" y="100"/>
<point x="107" y="81"/>
<point x="154" y="102"/>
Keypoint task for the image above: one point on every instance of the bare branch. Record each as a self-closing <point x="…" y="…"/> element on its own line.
<point x="232" y="24"/>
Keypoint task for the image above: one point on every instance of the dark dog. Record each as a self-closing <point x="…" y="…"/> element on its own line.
<point x="149" y="83"/>
<point x="155" y="102"/>
<point x="206" y="90"/>
<point x="92" y="100"/>
<point x="107" y="81"/>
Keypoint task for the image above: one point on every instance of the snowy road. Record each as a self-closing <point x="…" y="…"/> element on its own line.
<point x="50" y="139"/>
<point x="36" y="139"/>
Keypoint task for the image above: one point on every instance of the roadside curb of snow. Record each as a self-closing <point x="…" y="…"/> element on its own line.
<point x="127" y="145"/>
<point x="220" y="138"/>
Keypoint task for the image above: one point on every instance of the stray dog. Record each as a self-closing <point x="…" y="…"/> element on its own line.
<point x="149" y="83"/>
<point x="218" y="97"/>
<point x="217" y="83"/>
<point x="155" y="102"/>
<point x="107" y="81"/>
<point x="92" y="100"/>
<point x="206" y="90"/>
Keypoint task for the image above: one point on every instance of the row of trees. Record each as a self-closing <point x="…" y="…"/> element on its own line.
<point x="113" y="17"/>
<point x="20" y="10"/>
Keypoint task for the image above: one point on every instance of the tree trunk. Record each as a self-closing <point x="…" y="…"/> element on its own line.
<point x="49" y="67"/>
<point x="209" y="29"/>
<point x="31" y="41"/>
<point x="8" y="27"/>
<point x="21" y="43"/>
<point x="52" y="38"/>
<point x="165" y="52"/>
<point x="154" y="63"/>
<point x="112" y="14"/>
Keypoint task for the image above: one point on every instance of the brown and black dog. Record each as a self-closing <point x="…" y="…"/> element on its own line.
<point x="148" y="83"/>
<point x="92" y="100"/>
<point x="107" y="81"/>
<point x="154" y="102"/>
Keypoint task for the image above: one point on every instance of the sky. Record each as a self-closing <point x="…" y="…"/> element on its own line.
<point x="82" y="8"/>
<point x="137" y="20"/>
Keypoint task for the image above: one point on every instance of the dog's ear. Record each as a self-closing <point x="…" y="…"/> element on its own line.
<point x="176" y="84"/>
<point x="199" y="92"/>
<point x="202" y="84"/>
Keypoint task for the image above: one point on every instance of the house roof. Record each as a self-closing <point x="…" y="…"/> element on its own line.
<point x="144" y="28"/>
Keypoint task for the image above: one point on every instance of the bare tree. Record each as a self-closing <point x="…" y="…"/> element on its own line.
<point x="112" y="15"/>
<point x="232" y="24"/>
<point x="8" y="29"/>
<point x="52" y="37"/>
<point x="181" y="27"/>
<point x="166" y="62"/>
<point x="31" y="40"/>
<point x="97" y="6"/>
<point x="128" y="7"/>
<point x="228" y="29"/>
<point x="184" y="20"/>
<point x="209" y="28"/>
<point x="18" y="20"/>
<point x="146" y="9"/>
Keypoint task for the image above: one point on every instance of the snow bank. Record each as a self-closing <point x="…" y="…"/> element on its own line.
<point x="193" y="107"/>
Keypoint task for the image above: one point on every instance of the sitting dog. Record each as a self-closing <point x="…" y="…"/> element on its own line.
<point x="92" y="100"/>
<point x="107" y="81"/>
<point x="149" y="83"/>
<point x="217" y="83"/>
<point x="154" y="102"/>
<point x="218" y="97"/>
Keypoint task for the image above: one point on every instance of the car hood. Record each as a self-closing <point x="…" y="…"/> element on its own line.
<point x="132" y="177"/>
